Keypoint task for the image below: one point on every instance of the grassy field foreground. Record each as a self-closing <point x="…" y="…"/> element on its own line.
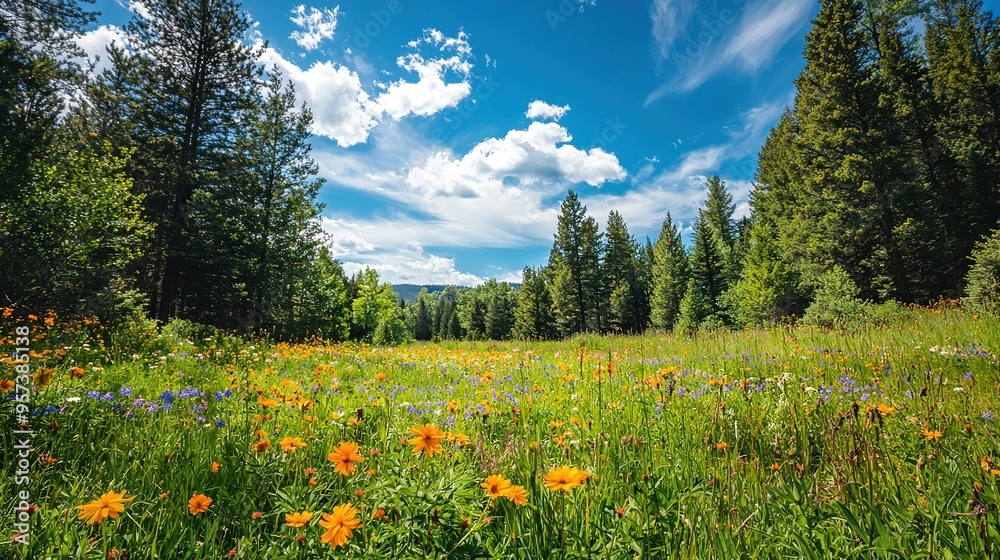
<point x="788" y="443"/>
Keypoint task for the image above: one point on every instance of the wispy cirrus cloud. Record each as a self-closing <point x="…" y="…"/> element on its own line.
<point x="669" y="19"/>
<point x="694" y="45"/>
<point x="680" y="189"/>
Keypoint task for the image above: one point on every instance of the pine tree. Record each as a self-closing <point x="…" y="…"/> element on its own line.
<point x="192" y="79"/>
<point x="644" y="259"/>
<point x="621" y="277"/>
<point x="315" y="304"/>
<point x="719" y="211"/>
<point x="421" y="313"/>
<point x="575" y="257"/>
<point x="962" y="42"/>
<point x="853" y="162"/>
<point x="533" y="316"/>
<point x="694" y="309"/>
<point x="471" y="311"/>
<point x="501" y="300"/>
<point x="272" y="205"/>
<point x="669" y="276"/>
<point x="766" y="289"/>
<point x="707" y="263"/>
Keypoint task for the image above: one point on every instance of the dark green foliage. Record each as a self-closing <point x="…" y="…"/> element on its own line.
<point x="836" y="303"/>
<point x="472" y="314"/>
<point x="421" y="316"/>
<point x="876" y="169"/>
<point x="270" y="209"/>
<point x="695" y="308"/>
<point x="575" y="263"/>
<point x="314" y="302"/>
<point x="962" y="44"/>
<point x="983" y="281"/>
<point x="621" y="284"/>
<point x="707" y="261"/>
<point x="533" y="315"/>
<point x="189" y="80"/>
<point x="447" y="324"/>
<point x="669" y="277"/>
<point x="70" y="232"/>
<point x="487" y="312"/>
<point x="719" y="209"/>
<point x="501" y="301"/>
<point x="766" y="290"/>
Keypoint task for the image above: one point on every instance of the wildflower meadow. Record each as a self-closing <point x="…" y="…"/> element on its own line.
<point x="791" y="442"/>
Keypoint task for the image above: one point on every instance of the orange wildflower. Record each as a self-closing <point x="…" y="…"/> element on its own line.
<point x="298" y="519"/>
<point x="496" y="485"/>
<point x="428" y="439"/>
<point x="563" y="479"/>
<point x="109" y="504"/>
<point x="345" y="457"/>
<point x="290" y="444"/>
<point x="199" y="503"/>
<point x="518" y="495"/>
<point x="339" y="525"/>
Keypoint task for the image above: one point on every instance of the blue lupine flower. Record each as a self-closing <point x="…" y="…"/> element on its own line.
<point x="125" y="391"/>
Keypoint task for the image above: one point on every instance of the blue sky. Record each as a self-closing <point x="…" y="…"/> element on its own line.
<point x="450" y="131"/>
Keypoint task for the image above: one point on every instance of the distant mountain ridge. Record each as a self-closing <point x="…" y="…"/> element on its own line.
<point x="408" y="292"/>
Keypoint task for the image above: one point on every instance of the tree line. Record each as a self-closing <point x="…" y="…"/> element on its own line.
<point x="879" y="185"/>
<point x="178" y="184"/>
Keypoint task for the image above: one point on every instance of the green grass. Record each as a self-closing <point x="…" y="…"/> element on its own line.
<point x="758" y="444"/>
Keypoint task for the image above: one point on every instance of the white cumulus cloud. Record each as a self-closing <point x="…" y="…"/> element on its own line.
<point x="432" y="92"/>
<point x="95" y="42"/>
<point x="317" y="25"/>
<point x="341" y="108"/>
<point x="540" y="153"/>
<point x="541" y="110"/>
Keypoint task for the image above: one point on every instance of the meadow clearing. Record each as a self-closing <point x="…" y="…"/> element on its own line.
<point x="793" y="442"/>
